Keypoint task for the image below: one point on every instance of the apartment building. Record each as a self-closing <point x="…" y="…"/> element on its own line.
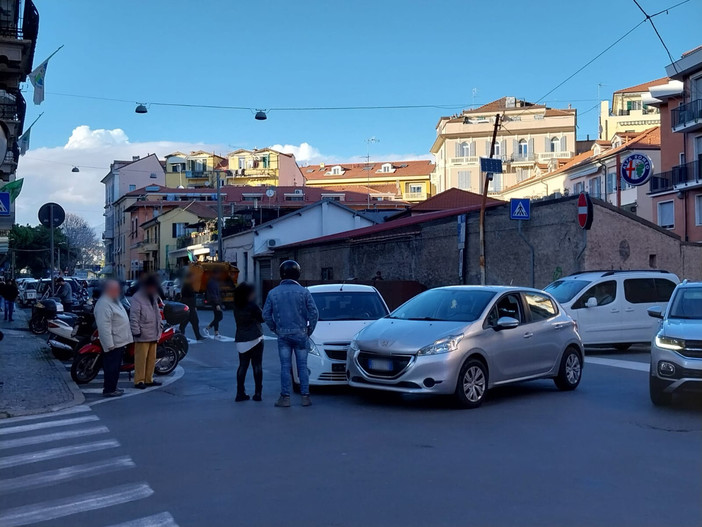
<point x="531" y="138"/>
<point x="630" y="111"/>
<point x="408" y="181"/>
<point x="123" y="179"/>
<point x="676" y="190"/>
<point x="242" y="167"/>
<point x="19" y="27"/>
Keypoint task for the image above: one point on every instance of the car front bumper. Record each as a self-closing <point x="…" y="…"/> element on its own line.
<point x="687" y="374"/>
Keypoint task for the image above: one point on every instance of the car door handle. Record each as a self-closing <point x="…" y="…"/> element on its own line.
<point x="615" y="311"/>
<point x="561" y="325"/>
<point x="629" y="310"/>
<point x="528" y="335"/>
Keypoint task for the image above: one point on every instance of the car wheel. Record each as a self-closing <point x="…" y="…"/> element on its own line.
<point x="472" y="384"/>
<point x="622" y="347"/>
<point x="571" y="370"/>
<point x="656" y="390"/>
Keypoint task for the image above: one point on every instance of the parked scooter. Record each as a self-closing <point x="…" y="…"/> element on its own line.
<point x="43" y="311"/>
<point x="173" y="314"/>
<point x="88" y="360"/>
<point x="68" y="332"/>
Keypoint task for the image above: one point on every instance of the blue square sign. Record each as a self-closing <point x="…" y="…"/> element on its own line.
<point x="4" y="203"/>
<point x="519" y="209"/>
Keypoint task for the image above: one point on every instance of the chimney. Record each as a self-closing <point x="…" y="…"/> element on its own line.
<point x="135" y="158"/>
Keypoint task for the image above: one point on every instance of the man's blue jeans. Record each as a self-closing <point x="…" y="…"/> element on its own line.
<point x="288" y="345"/>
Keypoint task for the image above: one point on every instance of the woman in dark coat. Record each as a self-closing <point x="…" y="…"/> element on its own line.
<point x="249" y="340"/>
<point x="10" y="293"/>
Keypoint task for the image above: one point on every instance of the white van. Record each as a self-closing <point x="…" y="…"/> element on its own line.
<point x="610" y="307"/>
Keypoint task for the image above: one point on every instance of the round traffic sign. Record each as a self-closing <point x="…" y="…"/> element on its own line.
<point x="636" y="169"/>
<point x="584" y="211"/>
<point x="270" y="192"/>
<point x="46" y="215"/>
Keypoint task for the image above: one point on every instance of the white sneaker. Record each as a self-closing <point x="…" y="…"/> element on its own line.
<point x="205" y="332"/>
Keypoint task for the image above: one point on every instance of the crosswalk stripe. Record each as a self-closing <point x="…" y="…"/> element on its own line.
<point x="616" y="363"/>
<point x="47" y="424"/>
<point x="53" y="453"/>
<point x="51" y="510"/>
<point x="68" y="411"/>
<point x="163" y="519"/>
<point x="52" y="477"/>
<point x="55" y="436"/>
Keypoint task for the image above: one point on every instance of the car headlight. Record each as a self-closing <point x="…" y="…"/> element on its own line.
<point x="669" y="343"/>
<point x="444" y="345"/>
<point x="353" y="347"/>
<point x="314" y="350"/>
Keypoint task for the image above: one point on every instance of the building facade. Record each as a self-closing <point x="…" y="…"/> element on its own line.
<point x="630" y="111"/>
<point x="408" y="181"/>
<point x="531" y="137"/>
<point x="19" y="27"/>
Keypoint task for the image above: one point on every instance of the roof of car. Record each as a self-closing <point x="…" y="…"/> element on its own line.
<point x="687" y="283"/>
<point x="348" y="288"/>
<point x="591" y="275"/>
<point x="493" y="288"/>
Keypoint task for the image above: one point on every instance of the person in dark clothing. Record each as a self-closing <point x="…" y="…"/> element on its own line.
<point x="214" y="298"/>
<point x="187" y="297"/>
<point x="65" y="294"/>
<point x="10" y="293"/>
<point x="249" y="340"/>
<point x="2" y="295"/>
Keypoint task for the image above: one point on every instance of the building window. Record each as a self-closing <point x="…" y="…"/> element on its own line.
<point x="179" y="229"/>
<point x="555" y="144"/>
<point x="241" y="162"/>
<point x="579" y="187"/>
<point x="498" y="149"/>
<point x="416" y="189"/>
<point x="132" y="188"/>
<point x="666" y="214"/>
<point x="698" y="209"/>
<point x="522" y="174"/>
<point x="464" y="179"/>
<point x="523" y="148"/>
<point x="327" y="273"/>
<point x="611" y="183"/>
<point x="386" y="168"/>
<point x="595" y="187"/>
<point x="496" y="184"/>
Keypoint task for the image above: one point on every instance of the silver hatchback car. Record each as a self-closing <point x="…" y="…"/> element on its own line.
<point x="463" y="340"/>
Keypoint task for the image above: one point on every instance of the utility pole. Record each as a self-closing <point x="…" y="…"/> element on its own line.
<point x="483" y="204"/>
<point x="368" y="165"/>
<point x="219" y="218"/>
<point x="51" y="245"/>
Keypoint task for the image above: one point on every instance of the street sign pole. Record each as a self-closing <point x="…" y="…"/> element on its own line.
<point x="483" y="205"/>
<point x="51" y="244"/>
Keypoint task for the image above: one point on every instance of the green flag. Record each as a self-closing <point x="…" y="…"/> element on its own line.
<point x="14" y="188"/>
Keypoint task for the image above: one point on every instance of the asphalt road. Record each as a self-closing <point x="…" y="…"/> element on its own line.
<point x="187" y="454"/>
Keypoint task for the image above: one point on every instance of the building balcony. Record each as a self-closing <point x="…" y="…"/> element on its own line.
<point x="522" y="158"/>
<point x="196" y="238"/>
<point x="467" y="160"/>
<point x="108" y="234"/>
<point x="414" y="196"/>
<point x="680" y="177"/>
<point x="198" y="174"/>
<point x="687" y="117"/>
<point x="545" y="156"/>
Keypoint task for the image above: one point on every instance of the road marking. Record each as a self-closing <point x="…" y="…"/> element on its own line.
<point x="157" y="520"/>
<point x="56" y="436"/>
<point x="166" y="380"/>
<point x="53" y="453"/>
<point x="47" y="424"/>
<point x="73" y="410"/>
<point x="51" y="510"/>
<point x="52" y="477"/>
<point x="616" y="363"/>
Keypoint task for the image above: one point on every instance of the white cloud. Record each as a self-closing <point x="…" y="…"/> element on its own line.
<point x="83" y="138"/>
<point x="304" y="153"/>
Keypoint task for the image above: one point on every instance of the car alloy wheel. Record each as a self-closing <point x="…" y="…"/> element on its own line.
<point x="474" y="384"/>
<point x="570" y="371"/>
<point x="572" y="368"/>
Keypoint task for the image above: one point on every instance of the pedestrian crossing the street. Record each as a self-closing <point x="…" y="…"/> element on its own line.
<point x="64" y="468"/>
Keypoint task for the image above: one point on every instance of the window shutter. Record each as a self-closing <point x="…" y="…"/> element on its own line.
<point x="564" y="144"/>
<point x="472" y="148"/>
<point x="547" y="144"/>
<point x="174" y="226"/>
<point x="458" y="152"/>
<point x="497" y="182"/>
<point x="515" y="147"/>
<point x="531" y="147"/>
<point x="487" y="147"/>
<point x="464" y="179"/>
<point x="503" y="147"/>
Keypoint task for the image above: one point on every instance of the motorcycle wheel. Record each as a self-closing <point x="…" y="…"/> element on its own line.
<point x="38" y="325"/>
<point x="180" y="343"/>
<point x="85" y="368"/>
<point x="166" y="359"/>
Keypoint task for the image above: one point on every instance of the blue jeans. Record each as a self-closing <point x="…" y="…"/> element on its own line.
<point x="286" y="346"/>
<point x="9" y="309"/>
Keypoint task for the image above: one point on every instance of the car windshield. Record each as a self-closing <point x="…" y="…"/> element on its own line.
<point x="687" y="304"/>
<point x="462" y="305"/>
<point x="342" y="305"/>
<point x="565" y="290"/>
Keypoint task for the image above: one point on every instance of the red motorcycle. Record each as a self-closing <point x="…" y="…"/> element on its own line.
<point x="88" y="360"/>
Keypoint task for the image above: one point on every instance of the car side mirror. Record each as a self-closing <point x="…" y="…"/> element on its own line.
<point x="506" y="323"/>
<point x="655" y="312"/>
<point x="591" y="302"/>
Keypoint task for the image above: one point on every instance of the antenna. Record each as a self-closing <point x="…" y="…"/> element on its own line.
<point x="475" y="92"/>
<point x="369" y="141"/>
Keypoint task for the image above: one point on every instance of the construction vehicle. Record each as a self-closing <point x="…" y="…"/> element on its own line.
<point x="202" y="272"/>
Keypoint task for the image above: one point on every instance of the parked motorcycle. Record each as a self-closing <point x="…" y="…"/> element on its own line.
<point x="88" y="361"/>
<point x="68" y="332"/>
<point x="43" y="311"/>
<point x="173" y="314"/>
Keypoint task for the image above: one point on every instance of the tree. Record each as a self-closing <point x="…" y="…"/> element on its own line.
<point x="31" y="247"/>
<point x="82" y="245"/>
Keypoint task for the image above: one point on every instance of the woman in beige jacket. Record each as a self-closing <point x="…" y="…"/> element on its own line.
<point x="113" y="328"/>
<point x="145" y="322"/>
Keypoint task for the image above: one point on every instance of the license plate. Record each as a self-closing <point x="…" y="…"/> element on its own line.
<point x="380" y="364"/>
<point x="338" y="368"/>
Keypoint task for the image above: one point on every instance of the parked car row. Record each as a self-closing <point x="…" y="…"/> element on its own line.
<point x="464" y="340"/>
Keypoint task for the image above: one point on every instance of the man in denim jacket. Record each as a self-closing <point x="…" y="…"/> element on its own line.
<point x="292" y="315"/>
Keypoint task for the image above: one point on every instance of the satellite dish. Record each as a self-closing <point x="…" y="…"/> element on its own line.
<point x="270" y="192"/>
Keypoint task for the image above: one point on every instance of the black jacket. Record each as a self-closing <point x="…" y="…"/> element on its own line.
<point x="187" y="295"/>
<point x="214" y="297"/>
<point x="248" y="322"/>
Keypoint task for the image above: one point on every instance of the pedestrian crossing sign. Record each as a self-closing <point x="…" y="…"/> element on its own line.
<point x="519" y="209"/>
<point x="4" y="203"/>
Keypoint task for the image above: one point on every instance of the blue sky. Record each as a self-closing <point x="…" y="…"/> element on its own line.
<point x="313" y="53"/>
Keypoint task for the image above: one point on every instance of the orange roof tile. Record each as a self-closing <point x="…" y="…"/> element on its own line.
<point x="452" y="198"/>
<point x="643" y="87"/>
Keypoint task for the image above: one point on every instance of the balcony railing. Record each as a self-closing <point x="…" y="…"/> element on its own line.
<point x="412" y="196"/>
<point x="687" y="115"/>
<point x="522" y="158"/>
<point x="197" y="174"/>
<point x="545" y="156"/>
<point x="464" y="160"/>
<point x="681" y="175"/>
<point x="12" y="106"/>
<point x="15" y="22"/>
<point x="196" y="238"/>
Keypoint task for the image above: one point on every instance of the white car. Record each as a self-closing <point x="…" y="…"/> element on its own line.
<point x="344" y="310"/>
<point x="610" y="307"/>
<point x="167" y="287"/>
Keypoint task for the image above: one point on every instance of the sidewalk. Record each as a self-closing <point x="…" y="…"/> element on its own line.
<point x="31" y="380"/>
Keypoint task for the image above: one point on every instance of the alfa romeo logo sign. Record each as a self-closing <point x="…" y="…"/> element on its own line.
<point x="636" y="169"/>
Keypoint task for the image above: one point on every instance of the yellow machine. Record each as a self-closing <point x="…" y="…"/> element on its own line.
<point x="201" y="273"/>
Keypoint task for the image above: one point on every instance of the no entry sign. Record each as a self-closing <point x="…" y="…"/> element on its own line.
<point x="584" y="211"/>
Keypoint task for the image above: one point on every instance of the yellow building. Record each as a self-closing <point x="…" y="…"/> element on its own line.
<point x="264" y="167"/>
<point x="629" y="112"/>
<point x="400" y="180"/>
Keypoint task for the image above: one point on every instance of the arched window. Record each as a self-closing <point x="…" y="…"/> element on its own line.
<point x="555" y="144"/>
<point x="465" y="149"/>
<point x="498" y="149"/>
<point x="523" y="148"/>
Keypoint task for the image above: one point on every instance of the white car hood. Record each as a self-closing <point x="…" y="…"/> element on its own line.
<point x="338" y="330"/>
